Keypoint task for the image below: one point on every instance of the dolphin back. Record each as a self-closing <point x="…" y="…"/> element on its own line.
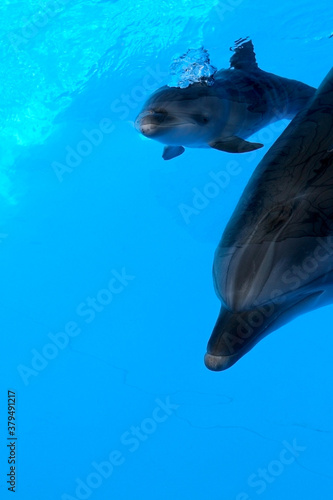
<point x="274" y="95"/>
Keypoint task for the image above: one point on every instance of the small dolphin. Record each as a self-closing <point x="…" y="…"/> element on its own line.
<point x="275" y="258"/>
<point x="242" y="100"/>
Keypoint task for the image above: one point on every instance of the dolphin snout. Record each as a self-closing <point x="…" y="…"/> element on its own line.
<point x="148" y="122"/>
<point x="217" y="363"/>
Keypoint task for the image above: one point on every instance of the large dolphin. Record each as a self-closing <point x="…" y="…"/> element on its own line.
<point x="242" y="100"/>
<point x="275" y="258"/>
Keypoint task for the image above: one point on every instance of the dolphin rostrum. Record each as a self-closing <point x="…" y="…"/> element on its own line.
<point x="242" y="100"/>
<point x="275" y="259"/>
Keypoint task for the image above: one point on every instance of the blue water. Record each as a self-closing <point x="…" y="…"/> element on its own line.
<point x="107" y="300"/>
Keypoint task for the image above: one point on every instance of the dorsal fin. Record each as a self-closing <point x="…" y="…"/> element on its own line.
<point x="244" y="56"/>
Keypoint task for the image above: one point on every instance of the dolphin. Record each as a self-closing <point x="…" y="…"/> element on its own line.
<point x="275" y="259"/>
<point x="242" y="100"/>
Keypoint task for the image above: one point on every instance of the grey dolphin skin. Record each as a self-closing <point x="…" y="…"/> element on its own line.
<point x="242" y="100"/>
<point x="275" y="258"/>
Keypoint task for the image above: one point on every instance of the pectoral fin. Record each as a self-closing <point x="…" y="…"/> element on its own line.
<point x="172" y="152"/>
<point x="235" y="145"/>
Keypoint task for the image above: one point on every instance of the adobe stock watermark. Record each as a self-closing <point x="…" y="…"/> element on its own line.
<point x="39" y="20"/>
<point x="250" y="321"/>
<point x="225" y="7"/>
<point x="262" y="478"/>
<point x="130" y="441"/>
<point x="121" y="107"/>
<point x="88" y="309"/>
<point x="219" y="181"/>
<point x="75" y="155"/>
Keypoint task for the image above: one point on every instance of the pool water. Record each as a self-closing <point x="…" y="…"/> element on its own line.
<point x="107" y="299"/>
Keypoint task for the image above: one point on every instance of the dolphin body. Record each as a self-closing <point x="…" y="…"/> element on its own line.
<point x="242" y="100"/>
<point x="275" y="259"/>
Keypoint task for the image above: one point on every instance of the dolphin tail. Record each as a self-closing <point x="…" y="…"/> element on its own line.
<point x="244" y="56"/>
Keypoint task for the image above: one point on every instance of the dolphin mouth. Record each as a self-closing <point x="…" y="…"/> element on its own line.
<point x="147" y="129"/>
<point x="149" y="123"/>
<point x="150" y="117"/>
